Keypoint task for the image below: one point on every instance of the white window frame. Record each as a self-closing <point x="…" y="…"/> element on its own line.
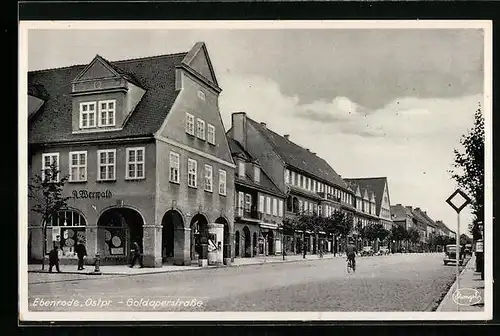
<point x="108" y="112"/>
<point x="222" y="182"/>
<point x="211" y="134"/>
<point x="192" y="164"/>
<point x="174" y="167"/>
<point x="51" y="157"/>
<point x="301" y="206"/>
<point x="280" y="208"/>
<point x="135" y="163"/>
<point x="287" y="176"/>
<point x="275" y="207"/>
<point x="107" y="164"/>
<point x="200" y="129"/>
<point x="88" y="113"/>
<point x="292" y="178"/>
<point x="268" y="205"/>
<point x="248" y="203"/>
<point x="208" y="177"/>
<point x="241" y="169"/>
<point x="78" y="166"/>
<point x="256" y="174"/>
<point x="190" y="124"/>
<point x="261" y="203"/>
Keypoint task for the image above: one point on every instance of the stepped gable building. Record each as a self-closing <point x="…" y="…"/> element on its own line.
<point x="310" y="183"/>
<point x="145" y="149"/>
<point x="259" y="207"/>
<point x="380" y="187"/>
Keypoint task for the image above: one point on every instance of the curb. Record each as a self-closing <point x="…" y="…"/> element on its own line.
<point x="450" y="292"/>
<point x="181" y="270"/>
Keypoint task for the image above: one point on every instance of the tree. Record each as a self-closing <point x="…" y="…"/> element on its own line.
<point x="46" y="192"/>
<point x="340" y="224"/>
<point x="413" y="235"/>
<point x="469" y="170"/>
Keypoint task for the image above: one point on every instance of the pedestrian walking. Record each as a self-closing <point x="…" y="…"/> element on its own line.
<point x="81" y="252"/>
<point x="137" y="255"/>
<point x="54" y="259"/>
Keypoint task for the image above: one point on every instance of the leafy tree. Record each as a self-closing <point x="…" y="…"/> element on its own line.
<point x="469" y="170"/>
<point x="46" y="193"/>
<point x="413" y="235"/>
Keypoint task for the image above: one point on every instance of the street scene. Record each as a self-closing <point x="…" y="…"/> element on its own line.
<point x="399" y="282"/>
<point x="185" y="176"/>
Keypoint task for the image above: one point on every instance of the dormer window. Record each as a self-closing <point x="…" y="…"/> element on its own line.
<point x="241" y="169"/>
<point x="256" y="174"/>
<point x="107" y="113"/>
<point x="87" y="115"/>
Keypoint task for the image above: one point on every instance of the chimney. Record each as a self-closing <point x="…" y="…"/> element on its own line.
<point x="287" y="136"/>
<point x="239" y="127"/>
<point x="399" y="204"/>
<point x="307" y="149"/>
<point x="263" y="124"/>
<point x="418" y="209"/>
<point x="409" y="207"/>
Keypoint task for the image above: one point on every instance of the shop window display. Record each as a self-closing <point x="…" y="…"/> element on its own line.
<point x="68" y="227"/>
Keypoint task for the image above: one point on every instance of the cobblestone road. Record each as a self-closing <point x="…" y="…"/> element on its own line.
<point x="403" y="282"/>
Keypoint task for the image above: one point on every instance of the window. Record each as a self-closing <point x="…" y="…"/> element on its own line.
<point x="275" y="207"/>
<point x="301" y="183"/>
<point x="241" y="169"/>
<point x="301" y="206"/>
<point x="200" y="129"/>
<point x="256" y="174"/>
<point x="248" y="202"/>
<point x="287" y="176"/>
<point x="296" y="180"/>
<point x="261" y="203"/>
<point x="192" y="168"/>
<point x="280" y="208"/>
<point x="174" y="167"/>
<point x="268" y="205"/>
<point x="241" y="203"/>
<point x="308" y="183"/>
<point x="135" y="163"/>
<point x="48" y="160"/>
<point x="189" y="124"/>
<point x="208" y="178"/>
<point x="78" y="166"/>
<point x="106" y="164"/>
<point x="222" y="182"/>
<point x="314" y="186"/>
<point x="107" y="113"/>
<point x="211" y="134"/>
<point x="71" y="226"/>
<point x="87" y="115"/>
<point x="306" y="206"/>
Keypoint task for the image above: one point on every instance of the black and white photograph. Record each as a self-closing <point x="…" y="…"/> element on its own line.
<point x="255" y="170"/>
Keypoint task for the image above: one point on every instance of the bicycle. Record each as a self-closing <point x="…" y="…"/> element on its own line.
<point x="350" y="266"/>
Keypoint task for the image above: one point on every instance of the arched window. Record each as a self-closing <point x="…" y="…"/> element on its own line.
<point x="67" y="228"/>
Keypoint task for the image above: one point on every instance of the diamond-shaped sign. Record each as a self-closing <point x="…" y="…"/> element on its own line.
<point x="458" y="200"/>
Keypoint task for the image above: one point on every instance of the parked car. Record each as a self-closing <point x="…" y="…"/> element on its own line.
<point x="383" y="251"/>
<point x="367" y="251"/>
<point x="450" y="255"/>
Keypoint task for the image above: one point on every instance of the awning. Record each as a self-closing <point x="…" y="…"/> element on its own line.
<point x="268" y="226"/>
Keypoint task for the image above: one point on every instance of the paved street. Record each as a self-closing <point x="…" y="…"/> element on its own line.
<point x="401" y="282"/>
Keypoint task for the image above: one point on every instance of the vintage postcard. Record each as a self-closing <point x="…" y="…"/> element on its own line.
<point x="255" y="170"/>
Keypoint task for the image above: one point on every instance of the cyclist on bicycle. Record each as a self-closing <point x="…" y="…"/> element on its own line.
<point x="351" y="253"/>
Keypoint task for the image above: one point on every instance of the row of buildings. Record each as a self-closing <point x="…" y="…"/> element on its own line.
<point x="149" y="160"/>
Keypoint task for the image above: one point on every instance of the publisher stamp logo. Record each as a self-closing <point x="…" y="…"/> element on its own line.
<point x="466" y="296"/>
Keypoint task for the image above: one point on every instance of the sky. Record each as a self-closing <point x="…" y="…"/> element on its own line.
<point x="371" y="102"/>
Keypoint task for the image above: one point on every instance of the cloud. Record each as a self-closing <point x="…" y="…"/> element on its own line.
<point x="410" y="140"/>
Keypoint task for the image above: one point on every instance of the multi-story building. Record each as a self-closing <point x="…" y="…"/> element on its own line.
<point x="144" y="146"/>
<point x="366" y="209"/>
<point x="380" y="188"/>
<point x="259" y="207"/>
<point x="308" y="181"/>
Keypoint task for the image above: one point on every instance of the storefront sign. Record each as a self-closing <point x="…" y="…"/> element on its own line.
<point x="85" y="194"/>
<point x="479" y="246"/>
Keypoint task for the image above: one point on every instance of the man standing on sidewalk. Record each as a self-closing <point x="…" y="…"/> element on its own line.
<point x="81" y="252"/>
<point x="136" y="252"/>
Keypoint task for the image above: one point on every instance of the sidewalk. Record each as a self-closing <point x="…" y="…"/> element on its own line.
<point x="125" y="270"/>
<point x="472" y="281"/>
